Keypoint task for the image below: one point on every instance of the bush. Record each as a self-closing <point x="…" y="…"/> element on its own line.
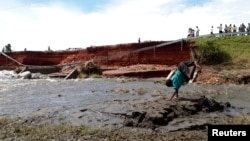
<point x="211" y="54"/>
<point x="225" y="49"/>
<point x="7" y="48"/>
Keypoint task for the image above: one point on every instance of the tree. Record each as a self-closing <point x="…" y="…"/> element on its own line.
<point x="7" y="48"/>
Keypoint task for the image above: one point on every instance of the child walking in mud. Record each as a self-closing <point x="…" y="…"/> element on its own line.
<point x="182" y="75"/>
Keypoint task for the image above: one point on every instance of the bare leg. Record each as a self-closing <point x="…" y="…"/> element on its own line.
<point x="175" y="93"/>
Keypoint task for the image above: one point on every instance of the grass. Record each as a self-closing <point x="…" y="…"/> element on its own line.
<point x="141" y="91"/>
<point x="243" y="119"/>
<point x="161" y="81"/>
<point x="16" y="129"/>
<point x="129" y="79"/>
<point x="19" y="130"/>
<point x="123" y="91"/>
<point x="237" y="47"/>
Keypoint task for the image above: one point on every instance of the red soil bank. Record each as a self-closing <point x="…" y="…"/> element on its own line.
<point x="167" y="55"/>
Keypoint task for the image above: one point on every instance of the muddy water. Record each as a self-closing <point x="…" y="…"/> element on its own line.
<point x="97" y="102"/>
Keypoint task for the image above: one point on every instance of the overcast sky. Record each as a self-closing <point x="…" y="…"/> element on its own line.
<point x="63" y="24"/>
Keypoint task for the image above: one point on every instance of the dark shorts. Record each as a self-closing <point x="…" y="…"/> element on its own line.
<point x="184" y="68"/>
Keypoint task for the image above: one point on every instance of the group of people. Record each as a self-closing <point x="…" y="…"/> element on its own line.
<point x="193" y="33"/>
<point x="231" y="28"/>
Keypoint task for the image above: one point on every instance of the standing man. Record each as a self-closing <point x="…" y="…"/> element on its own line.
<point x="234" y="30"/>
<point x="197" y="31"/>
<point x="220" y="29"/>
<point x="248" y="29"/>
<point x="212" y="30"/>
<point x="243" y="28"/>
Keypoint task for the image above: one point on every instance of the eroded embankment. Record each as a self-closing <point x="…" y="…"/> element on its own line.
<point x="106" y="56"/>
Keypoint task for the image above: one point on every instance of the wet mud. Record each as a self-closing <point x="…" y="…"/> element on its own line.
<point x="121" y="102"/>
<point x="160" y="112"/>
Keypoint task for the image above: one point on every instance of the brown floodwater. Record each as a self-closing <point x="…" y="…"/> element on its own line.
<point x="84" y="101"/>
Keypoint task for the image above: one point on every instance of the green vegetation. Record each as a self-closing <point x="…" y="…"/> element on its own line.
<point x="129" y="79"/>
<point x="225" y="49"/>
<point x="18" y="129"/>
<point x="123" y="91"/>
<point x="161" y="81"/>
<point x="7" y="48"/>
<point x="141" y="91"/>
<point x="242" y="119"/>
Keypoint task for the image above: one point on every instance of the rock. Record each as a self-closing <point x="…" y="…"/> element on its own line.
<point x="161" y="112"/>
<point x="25" y="75"/>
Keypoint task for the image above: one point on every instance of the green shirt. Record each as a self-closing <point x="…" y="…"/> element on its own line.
<point x="178" y="79"/>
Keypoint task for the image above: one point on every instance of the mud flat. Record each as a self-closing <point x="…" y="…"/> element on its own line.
<point x="127" y="107"/>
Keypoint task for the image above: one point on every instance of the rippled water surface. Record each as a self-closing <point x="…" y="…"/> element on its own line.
<point x="24" y="96"/>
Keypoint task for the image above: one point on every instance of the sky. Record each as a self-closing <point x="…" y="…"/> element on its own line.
<point x="62" y="24"/>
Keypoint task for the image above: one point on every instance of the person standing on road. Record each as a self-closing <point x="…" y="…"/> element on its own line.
<point x="212" y="30"/>
<point x="243" y="29"/>
<point x="220" y="28"/>
<point x="226" y="28"/>
<point x="234" y="30"/>
<point x="197" y="31"/>
<point x="248" y="29"/>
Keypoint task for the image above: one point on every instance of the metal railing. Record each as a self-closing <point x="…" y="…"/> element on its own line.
<point x="136" y="51"/>
<point x="12" y="59"/>
<point x="20" y="64"/>
<point x="222" y="34"/>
